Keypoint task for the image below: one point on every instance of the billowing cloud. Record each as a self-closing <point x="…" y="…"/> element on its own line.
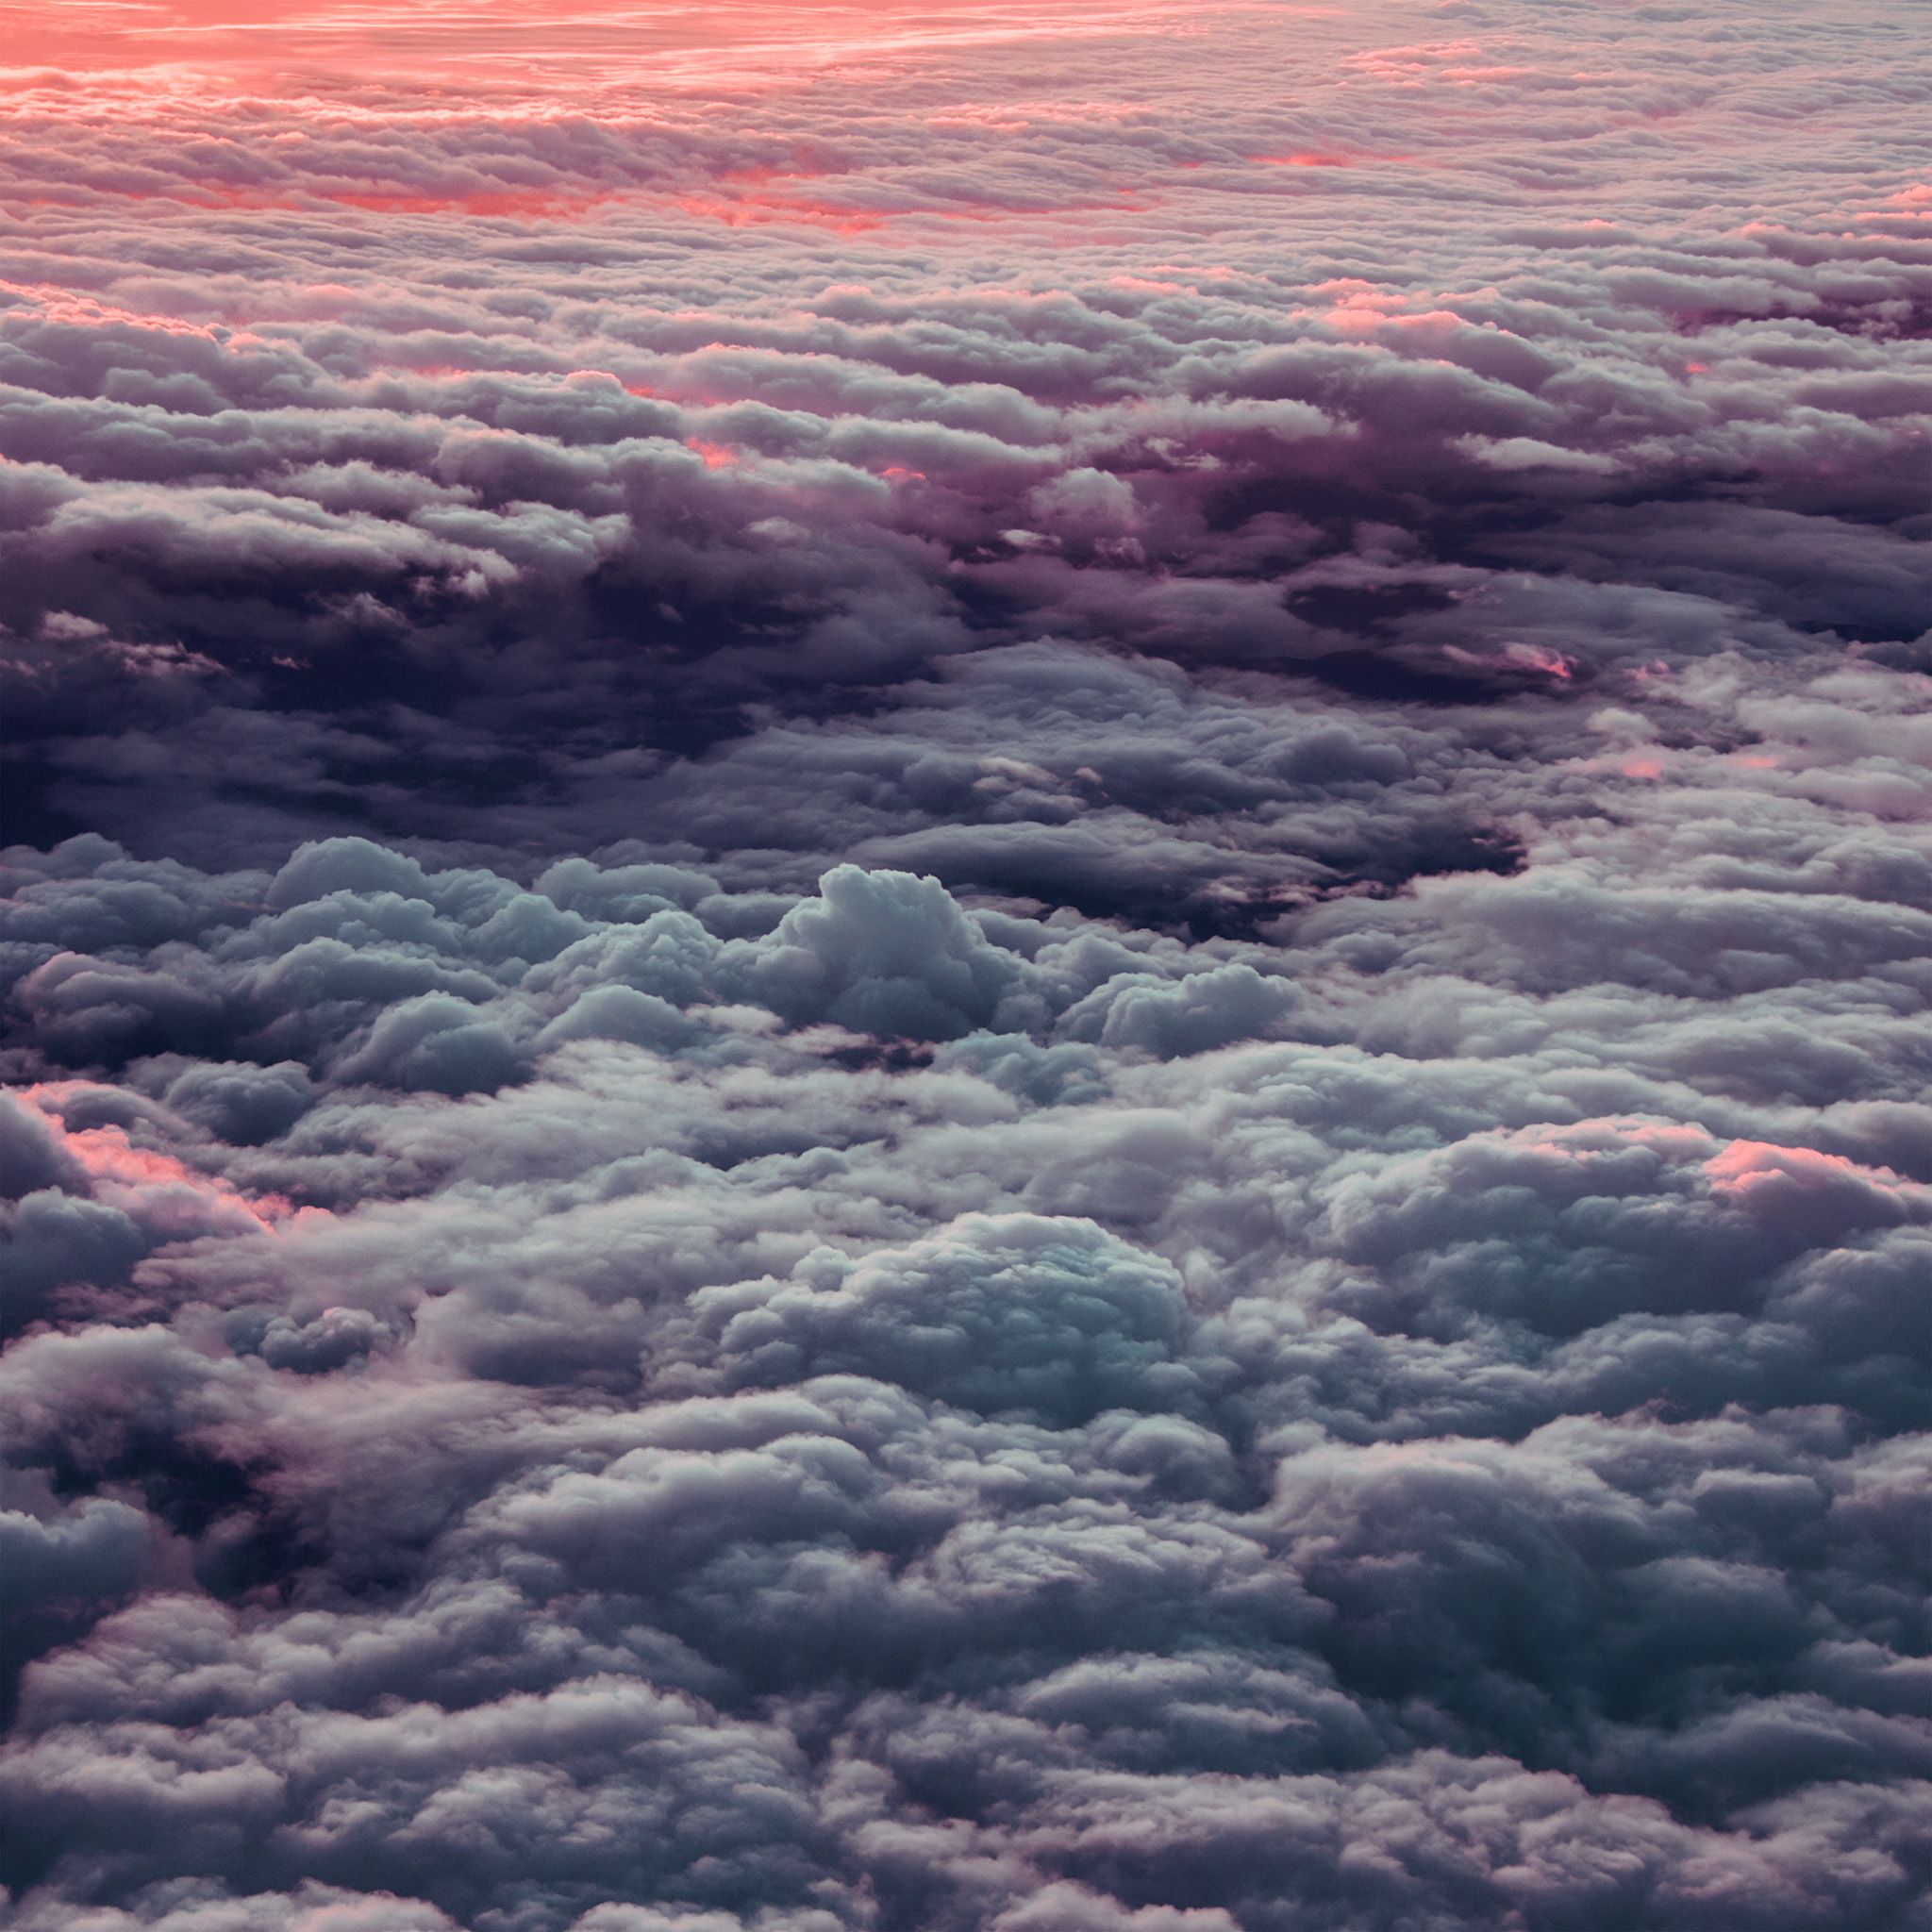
<point x="965" y="974"/>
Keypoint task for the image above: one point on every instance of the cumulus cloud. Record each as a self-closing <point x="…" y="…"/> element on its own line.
<point x="965" y="974"/>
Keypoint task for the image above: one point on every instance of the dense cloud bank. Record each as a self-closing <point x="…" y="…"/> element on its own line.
<point x="970" y="978"/>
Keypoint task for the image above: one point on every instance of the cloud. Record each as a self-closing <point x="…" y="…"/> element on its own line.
<point x="1004" y="1314"/>
<point x="965" y="974"/>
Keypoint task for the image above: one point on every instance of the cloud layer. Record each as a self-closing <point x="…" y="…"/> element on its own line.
<point x="966" y="976"/>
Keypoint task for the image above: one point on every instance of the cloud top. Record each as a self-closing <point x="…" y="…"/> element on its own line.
<point x="964" y="973"/>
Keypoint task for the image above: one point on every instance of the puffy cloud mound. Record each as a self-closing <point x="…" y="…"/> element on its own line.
<point x="1050" y="1319"/>
<point x="966" y="974"/>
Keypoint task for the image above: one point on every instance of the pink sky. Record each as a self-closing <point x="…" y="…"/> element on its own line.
<point x="679" y="43"/>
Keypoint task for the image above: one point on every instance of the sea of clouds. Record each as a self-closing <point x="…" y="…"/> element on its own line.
<point x="969" y="977"/>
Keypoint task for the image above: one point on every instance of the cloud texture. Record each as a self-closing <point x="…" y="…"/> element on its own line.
<point x="967" y="976"/>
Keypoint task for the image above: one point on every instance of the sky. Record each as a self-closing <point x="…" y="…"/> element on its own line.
<point x="965" y="967"/>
